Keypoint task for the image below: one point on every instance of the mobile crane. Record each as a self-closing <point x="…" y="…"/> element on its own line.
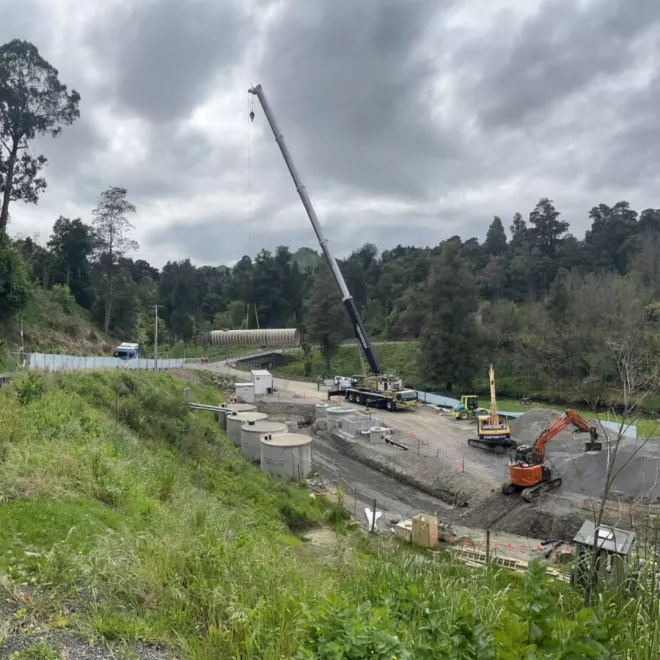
<point x="377" y="389"/>
<point x="494" y="434"/>
<point x="527" y="470"/>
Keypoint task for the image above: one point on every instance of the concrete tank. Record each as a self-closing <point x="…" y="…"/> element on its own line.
<point x="321" y="410"/>
<point x="377" y="434"/>
<point x="288" y="455"/>
<point x="251" y="434"/>
<point x="236" y="419"/>
<point x="338" y="413"/>
<point x="270" y="337"/>
<point x="236" y="407"/>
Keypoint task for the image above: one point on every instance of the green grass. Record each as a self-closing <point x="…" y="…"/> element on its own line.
<point x="127" y="517"/>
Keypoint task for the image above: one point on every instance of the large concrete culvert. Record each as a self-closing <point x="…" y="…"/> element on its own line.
<point x="276" y="337"/>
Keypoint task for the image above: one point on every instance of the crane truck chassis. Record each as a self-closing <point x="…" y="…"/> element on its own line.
<point x="378" y="392"/>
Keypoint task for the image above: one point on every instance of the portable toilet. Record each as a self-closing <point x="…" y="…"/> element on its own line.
<point x="612" y="547"/>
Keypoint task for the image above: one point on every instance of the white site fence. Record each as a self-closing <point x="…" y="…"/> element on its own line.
<point x="53" y="362"/>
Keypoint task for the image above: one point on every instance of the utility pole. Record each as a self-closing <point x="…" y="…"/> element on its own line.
<point x="21" y="356"/>
<point x="156" y="339"/>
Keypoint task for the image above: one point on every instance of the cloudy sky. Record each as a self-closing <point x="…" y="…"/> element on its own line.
<point x="410" y="120"/>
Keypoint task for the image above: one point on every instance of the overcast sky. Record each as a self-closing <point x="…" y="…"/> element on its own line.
<point x="410" y="120"/>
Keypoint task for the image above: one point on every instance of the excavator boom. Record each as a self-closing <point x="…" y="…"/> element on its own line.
<point x="494" y="416"/>
<point x="550" y="433"/>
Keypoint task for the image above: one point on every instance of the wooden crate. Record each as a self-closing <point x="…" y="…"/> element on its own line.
<point x="424" y="530"/>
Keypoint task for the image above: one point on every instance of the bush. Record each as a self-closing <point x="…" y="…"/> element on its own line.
<point x="29" y="389"/>
<point x="63" y="296"/>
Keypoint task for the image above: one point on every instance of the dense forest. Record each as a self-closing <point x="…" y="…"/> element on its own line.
<point x="541" y="304"/>
<point x="547" y="308"/>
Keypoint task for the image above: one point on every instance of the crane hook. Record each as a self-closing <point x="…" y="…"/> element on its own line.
<point x="251" y="115"/>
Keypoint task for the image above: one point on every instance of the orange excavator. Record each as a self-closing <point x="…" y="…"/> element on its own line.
<point x="527" y="470"/>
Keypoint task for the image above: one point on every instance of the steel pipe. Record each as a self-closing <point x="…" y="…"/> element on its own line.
<point x="277" y="337"/>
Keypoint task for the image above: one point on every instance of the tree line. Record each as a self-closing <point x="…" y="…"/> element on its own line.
<point x="546" y="307"/>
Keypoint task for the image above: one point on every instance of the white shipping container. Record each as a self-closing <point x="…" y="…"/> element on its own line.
<point x="262" y="381"/>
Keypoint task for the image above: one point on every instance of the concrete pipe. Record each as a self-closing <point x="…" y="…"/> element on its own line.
<point x="272" y="337"/>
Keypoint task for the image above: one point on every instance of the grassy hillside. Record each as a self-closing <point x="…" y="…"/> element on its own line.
<point x="49" y="327"/>
<point x="128" y="520"/>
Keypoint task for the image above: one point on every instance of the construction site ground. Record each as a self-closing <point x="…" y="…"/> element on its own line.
<point x="438" y="451"/>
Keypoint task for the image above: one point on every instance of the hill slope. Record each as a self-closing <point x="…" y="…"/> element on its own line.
<point x="49" y="327"/>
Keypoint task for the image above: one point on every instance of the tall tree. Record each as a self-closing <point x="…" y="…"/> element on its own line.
<point x="611" y="242"/>
<point x="495" y="243"/>
<point x="112" y="226"/>
<point x="326" y="320"/>
<point x="547" y="229"/>
<point x="14" y="279"/>
<point x="72" y="243"/>
<point x="449" y="339"/>
<point x="33" y="102"/>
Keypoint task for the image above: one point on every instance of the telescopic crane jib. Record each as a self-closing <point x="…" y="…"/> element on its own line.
<point x="358" y="327"/>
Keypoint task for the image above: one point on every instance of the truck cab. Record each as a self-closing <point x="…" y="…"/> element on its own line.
<point x="127" y="351"/>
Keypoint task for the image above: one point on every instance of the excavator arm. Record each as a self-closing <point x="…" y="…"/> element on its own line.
<point x="550" y="433"/>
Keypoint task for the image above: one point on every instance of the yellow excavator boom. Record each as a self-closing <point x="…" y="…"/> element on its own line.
<point x="494" y="415"/>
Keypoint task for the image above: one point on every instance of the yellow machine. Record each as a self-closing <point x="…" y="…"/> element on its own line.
<point x="467" y="408"/>
<point x="494" y="434"/>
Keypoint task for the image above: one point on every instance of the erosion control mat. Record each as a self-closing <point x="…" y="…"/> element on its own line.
<point x="636" y="461"/>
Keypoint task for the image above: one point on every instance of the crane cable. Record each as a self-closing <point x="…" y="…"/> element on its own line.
<point x="250" y="104"/>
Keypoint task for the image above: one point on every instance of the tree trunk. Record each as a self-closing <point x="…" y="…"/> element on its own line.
<point x="108" y="297"/>
<point x="11" y="164"/>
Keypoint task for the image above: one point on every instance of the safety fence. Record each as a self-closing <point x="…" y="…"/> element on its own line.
<point x="54" y="362"/>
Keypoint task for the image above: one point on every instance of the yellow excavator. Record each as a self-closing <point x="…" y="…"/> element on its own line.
<point x="494" y="434"/>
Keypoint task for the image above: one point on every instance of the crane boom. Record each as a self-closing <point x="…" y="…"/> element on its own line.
<point x="351" y="308"/>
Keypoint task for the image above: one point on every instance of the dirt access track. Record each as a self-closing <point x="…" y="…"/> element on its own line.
<point x="439" y="452"/>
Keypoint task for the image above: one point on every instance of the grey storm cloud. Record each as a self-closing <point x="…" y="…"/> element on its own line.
<point x="355" y="87"/>
<point x="166" y="55"/>
<point x="411" y="121"/>
<point x="561" y="50"/>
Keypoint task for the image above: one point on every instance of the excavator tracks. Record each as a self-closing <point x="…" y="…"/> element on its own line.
<point x="533" y="493"/>
<point x="493" y="447"/>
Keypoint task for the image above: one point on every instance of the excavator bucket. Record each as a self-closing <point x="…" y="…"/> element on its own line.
<point x="593" y="444"/>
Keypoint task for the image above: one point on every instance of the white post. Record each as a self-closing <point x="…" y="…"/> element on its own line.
<point x="156" y="340"/>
